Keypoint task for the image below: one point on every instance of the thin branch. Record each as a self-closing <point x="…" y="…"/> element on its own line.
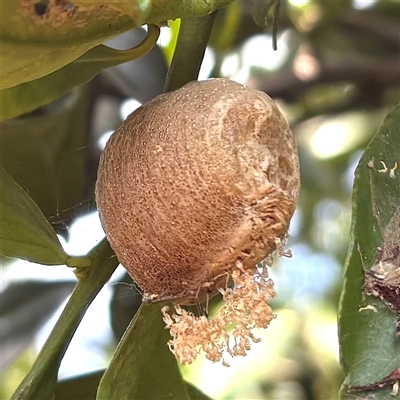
<point x="189" y="52"/>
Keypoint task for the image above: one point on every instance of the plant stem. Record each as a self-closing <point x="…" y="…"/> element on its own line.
<point x="189" y="52"/>
<point x="78" y="261"/>
<point x="40" y="381"/>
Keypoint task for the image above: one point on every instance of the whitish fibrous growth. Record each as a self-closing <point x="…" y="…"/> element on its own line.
<point x="246" y="308"/>
<point x="194" y="189"/>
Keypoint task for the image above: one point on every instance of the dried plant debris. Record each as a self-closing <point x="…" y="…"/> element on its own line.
<point x="392" y="379"/>
<point x="230" y="329"/>
<point x="383" y="279"/>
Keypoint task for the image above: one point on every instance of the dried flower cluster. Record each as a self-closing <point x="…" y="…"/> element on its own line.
<point x="246" y="308"/>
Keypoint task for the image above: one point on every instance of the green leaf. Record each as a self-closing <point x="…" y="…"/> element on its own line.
<point x="32" y="63"/>
<point x="41" y="37"/>
<point x="40" y="382"/>
<point x="28" y="96"/>
<point x="369" y="349"/>
<point x="48" y="162"/>
<point x="84" y="387"/>
<point x="143" y="367"/>
<point x="25" y="233"/>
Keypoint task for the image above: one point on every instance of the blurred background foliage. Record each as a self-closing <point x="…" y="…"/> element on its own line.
<point x="335" y="75"/>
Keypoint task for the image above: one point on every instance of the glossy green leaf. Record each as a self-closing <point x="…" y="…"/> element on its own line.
<point x="35" y="76"/>
<point x="41" y="37"/>
<point x="84" y="387"/>
<point x="28" y="96"/>
<point x="369" y="349"/>
<point x="40" y="382"/>
<point x="25" y="233"/>
<point x="28" y="66"/>
<point x="143" y="367"/>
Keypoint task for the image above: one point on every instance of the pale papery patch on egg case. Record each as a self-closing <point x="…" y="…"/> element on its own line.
<point x="230" y="330"/>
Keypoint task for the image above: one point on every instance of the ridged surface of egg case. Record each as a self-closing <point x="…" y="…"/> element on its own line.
<point x="195" y="181"/>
